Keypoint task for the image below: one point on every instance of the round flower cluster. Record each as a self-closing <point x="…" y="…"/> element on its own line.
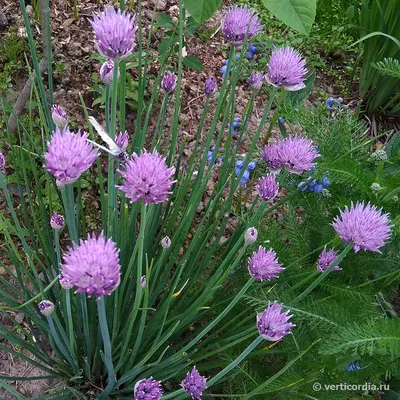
<point x="240" y="23"/>
<point x="326" y="259"/>
<point x="264" y="265"/>
<point x="255" y="81"/>
<point x="273" y="324"/>
<point x="295" y="153"/>
<point x="286" y="69"/>
<point x="146" y="177"/>
<point x="115" y="33"/>
<point x="92" y="266"/>
<point x="246" y="174"/>
<point x="366" y="227"/>
<point x="194" y="384"/>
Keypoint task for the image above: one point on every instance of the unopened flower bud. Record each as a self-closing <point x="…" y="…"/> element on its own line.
<point x="59" y="117"/>
<point x="168" y="83"/>
<point x="210" y="87"/>
<point x="107" y="72"/>
<point x="143" y="281"/>
<point x="166" y="242"/>
<point x="2" y="161"/>
<point x="46" y="307"/>
<point x="250" y="236"/>
<point x="57" y="221"/>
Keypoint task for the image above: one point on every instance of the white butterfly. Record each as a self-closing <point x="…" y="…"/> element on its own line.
<point x="117" y="150"/>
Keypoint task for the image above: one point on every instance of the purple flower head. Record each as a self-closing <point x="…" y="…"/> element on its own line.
<point x="147" y="177"/>
<point x="271" y="155"/>
<point x="2" y="161"/>
<point x="326" y="259"/>
<point x="363" y="225"/>
<point x="92" y="266"/>
<point x="256" y="80"/>
<point x="250" y="236"/>
<point x="57" y="221"/>
<point x="238" y="22"/>
<point x="264" y="265"/>
<point x="107" y="72"/>
<point x="122" y="141"/>
<point x="268" y="187"/>
<point x="59" y="117"/>
<point x="286" y="69"/>
<point x="297" y="154"/>
<point x="69" y="155"/>
<point x="194" y="384"/>
<point x="143" y="281"/>
<point x="210" y="87"/>
<point x="169" y="81"/>
<point x="148" y="389"/>
<point x="46" y="307"/>
<point x="115" y="33"/>
<point x="273" y="324"/>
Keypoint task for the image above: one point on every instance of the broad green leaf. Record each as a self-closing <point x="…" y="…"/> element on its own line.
<point x="297" y="97"/>
<point x="393" y="146"/>
<point x="201" y="10"/>
<point x="164" y="21"/>
<point x="193" y="62"/>
<point x="298" y="14"/>
<point x="166" y="44"/>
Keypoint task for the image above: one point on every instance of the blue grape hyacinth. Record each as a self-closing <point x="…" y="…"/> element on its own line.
<point x="333" y="104"/>
<point x="314" y="185"/>
<point x="246" y="174"/>
<point x="353" y="366"/>
<point x="235" y="125"/>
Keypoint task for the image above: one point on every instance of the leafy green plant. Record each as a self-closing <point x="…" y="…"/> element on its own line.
<point x="357" y="343"/>
<point x="379" y="32"/>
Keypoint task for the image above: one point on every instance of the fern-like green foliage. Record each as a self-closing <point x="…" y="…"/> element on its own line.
<point x="373" y="337"/>
<point x="388" y="66"/>
<point x="349" y="313"/>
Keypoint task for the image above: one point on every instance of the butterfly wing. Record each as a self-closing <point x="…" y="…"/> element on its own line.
<point x="112" y="146"/>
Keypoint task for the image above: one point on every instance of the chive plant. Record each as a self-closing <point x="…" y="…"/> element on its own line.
<point x="133" y="309"/>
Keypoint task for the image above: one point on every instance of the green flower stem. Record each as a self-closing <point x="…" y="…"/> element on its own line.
<point x="160" y="124"/>
<point x="67" y="193"/>
<point x="275" y="118"/>
<point x="107" y="108"/>
<point x="175" y="123"/>
<point x="340" y="257"/>
<point x="139" y="291"/>
<point x="221" y="374"/>
<point x="59" y="344"/>
<point x="220" y="316"/>
<point x="58" y="251"/>
<point x="122" y="94"/>
<point x="69" y="206"/>
<point x="256" y="137"/>
<point x="112" y="193"/>
<point x="107" y="348"/>
<point x="236" y="362"/>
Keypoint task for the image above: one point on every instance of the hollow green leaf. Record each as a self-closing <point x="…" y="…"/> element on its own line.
<point x="298" y="14"/>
